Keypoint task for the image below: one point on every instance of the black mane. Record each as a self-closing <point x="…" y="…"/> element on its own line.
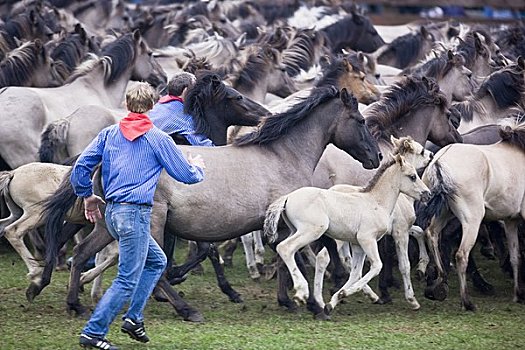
<point x="277" y="125"/>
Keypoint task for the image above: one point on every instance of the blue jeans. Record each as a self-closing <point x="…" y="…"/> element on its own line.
<point x="141" y="263"/>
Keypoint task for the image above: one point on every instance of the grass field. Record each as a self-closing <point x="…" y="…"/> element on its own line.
<point x="259" y="323"/>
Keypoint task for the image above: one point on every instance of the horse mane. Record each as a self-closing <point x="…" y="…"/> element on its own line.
<point x="404" y="48"/>
<point x="254" y="68"/>
<point x="506" y="87"/>
<point x="274" y="126"/>
<point x="436" y="67"/>
<point x="301" y="51"/>
<point x="403" y="97"/>
<point x="379" y="172"/>
<point x="513" y="132"/>
<point x="18" y="66"/>
<point x="333" y="72"/>
<point x="68" y="54"/>
<point x="116" y="58"/>
<point x="207" y="90"/>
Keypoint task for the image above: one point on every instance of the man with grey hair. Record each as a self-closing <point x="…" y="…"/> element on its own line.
<point x="168" y="114"/>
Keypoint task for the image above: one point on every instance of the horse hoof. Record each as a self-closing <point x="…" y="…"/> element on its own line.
<point x="438" y="291"/>
<point x="299" y="300"/>
<point x="321" y="316"/>
<point x="178" y="280"/>
<point x="236" y="299"/>
<point x="32" y="291"/>
<point x="469" y="306"/>
<point x="194" y="317"/>
<point x="77" y="310"/>
<point x="328" y="308"/>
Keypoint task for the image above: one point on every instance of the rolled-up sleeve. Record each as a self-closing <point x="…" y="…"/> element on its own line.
<point x="172" y="159"/>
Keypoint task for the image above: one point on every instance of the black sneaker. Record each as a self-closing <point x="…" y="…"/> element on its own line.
<point x="135" y="330"/>
<point x="98" y="343"/>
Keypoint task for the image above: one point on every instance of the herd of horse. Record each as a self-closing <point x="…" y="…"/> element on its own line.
<point x="337" y="142"/>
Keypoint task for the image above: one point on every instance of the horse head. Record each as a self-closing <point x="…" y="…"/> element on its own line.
<point x="458" y="77"/>
<point x="279" y="82"/>
<point x="409" y="182"/>
<point x="355" y="80"/>
<point x="352" y="135"/>
<point x="146" y="67"/>
<point x="413" y="151"/>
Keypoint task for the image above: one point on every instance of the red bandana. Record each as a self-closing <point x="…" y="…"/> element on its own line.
<point x="169" y="98"/>
<point x="135" y="125"/>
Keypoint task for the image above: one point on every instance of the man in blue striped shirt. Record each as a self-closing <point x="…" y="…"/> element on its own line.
<point x="168" y="114"/>
<point x="133" y="154"/>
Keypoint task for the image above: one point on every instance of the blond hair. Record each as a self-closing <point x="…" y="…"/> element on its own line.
<point x="140" y="97"/>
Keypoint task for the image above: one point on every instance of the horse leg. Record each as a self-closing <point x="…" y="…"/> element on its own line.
<point x="497" y="232"/>
<point x="511" y="229"/>
<point x="470" y="227"/>
<point x="181" y="307"/>
<point x="401" y="241"/>
<point x="487" y="249"/>
<point x="358" y="261"/>
<point x="193" y="250"/>
<point x="386" y="276"/>
<point x="437" y="288"/>
<point x="34" y="289"/>
<point x="339" y="275"/>
<point x="104" y="259"/>
<point x="89" y="246"/>
<point x="478" y="280"/>
<point x="177" y="274"/>
<point x="287" y="250"/>
<point x="321" y="263"/>
<point x="258" y="249"/>
<point x="283" y="282"/>
<point x="224" y="285"/>
<point x="15" y="233"/>
<point x="424" y="259"/>
<point x="249" y="255"/>
<point x="229" y="247"/>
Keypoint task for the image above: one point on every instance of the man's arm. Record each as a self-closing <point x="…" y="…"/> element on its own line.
<point x="172" y="159"/>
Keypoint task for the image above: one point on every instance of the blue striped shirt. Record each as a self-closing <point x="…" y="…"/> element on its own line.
<point x="170" y="118"/>
<point x="131" y="169"/>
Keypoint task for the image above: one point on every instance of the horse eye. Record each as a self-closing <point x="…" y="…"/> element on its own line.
<point x="238" y="97"/>
<point x="413" y="177"/>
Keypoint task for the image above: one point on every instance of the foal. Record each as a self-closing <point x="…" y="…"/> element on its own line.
<point x="360" y="218"/>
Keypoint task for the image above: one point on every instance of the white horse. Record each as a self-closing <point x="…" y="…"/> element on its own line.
<point x="400" y="228"/>
<point x="361" y="218"/>
<point x="472" y="183"/>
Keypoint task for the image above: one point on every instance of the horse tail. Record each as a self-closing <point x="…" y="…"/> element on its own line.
<point x="55" y="209"/>
<point x="271" y="221"/>
<point x="442" y="188"/>
<point x="5" y="179"/>
<point x="53" y="141"/>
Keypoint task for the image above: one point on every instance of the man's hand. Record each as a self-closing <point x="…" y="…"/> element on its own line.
<point x="196" y="161"/>
<point x="91" y="209"/>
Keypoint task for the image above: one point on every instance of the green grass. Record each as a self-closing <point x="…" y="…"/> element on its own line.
<point x="260" y="323"/>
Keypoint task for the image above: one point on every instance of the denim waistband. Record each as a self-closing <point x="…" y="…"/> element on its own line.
<point x="126" y="203"/>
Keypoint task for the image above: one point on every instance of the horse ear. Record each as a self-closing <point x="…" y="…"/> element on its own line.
<point x="450" y="55"/>
<point x="136" y="35"/>
<point x="348" y="99"/>
<point x="426" y="34"/>
<point x="407" y="146"/>
<point x="348" y="65"/>
<point x="394" y="141"/>
<point x="215" y="80"/>
<point x="400" y="160"/>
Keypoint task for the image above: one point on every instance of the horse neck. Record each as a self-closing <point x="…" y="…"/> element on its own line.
<point x="254" y="90"/>
<point x="111" y="94"/>
<point x="217" y="127"/>
<point x="415" y="124"/>
<point x="305" y="143"/>
<point x="386" y="190"/>
<point x="484" y="111"/>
